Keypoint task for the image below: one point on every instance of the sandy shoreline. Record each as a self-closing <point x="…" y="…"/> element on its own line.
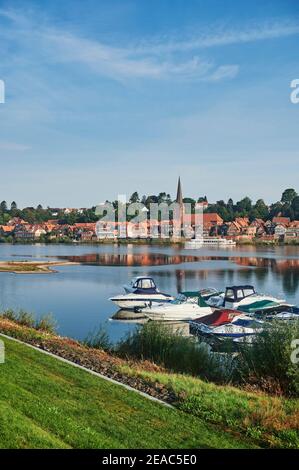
<point x="32" y="267"/>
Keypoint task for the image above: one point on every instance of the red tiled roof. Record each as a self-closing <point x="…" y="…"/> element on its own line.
<point x="281" y="220"/>
<point x="7" y="228"/>
<point x="243" y="221"/>
<point x="212" y="218"/>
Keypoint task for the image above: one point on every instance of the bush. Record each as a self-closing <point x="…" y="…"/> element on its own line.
<point x="46" y="323"/>
<point x="9" y="314"/>
<point x="155" y="342"/>
<point x="99" y="339"/>
<point x="25" y="318"/>
<point x="267" y="362"/>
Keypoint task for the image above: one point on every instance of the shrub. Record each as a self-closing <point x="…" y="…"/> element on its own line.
<point x="99" y="339"/>
<point x="46" y="323"/>
<point x="25" y="318"/>
<point x="267" y="362"/>
<point x="157" y="343"/>
<point x="9" y="314"/>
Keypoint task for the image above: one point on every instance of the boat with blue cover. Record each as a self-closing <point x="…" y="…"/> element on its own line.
<point x="139" y="294"/>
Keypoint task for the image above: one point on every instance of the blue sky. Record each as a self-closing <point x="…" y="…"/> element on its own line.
<point x="107" y="97"/>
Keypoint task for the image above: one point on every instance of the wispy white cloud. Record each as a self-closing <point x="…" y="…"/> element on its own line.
<point x="13" y="147"/>
<point x="224" y="71"/>
<point x="158" y="58"/>
<point x="119" y="63"/>
<point x="222" y="36"/>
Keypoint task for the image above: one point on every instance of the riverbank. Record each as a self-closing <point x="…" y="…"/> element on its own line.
<point x="148" y="241"/>
<point x="32" y="267"/>
<point x="252" y="418"/>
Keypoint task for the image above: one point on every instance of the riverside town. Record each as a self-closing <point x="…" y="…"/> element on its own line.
<point x="181" y="219"/>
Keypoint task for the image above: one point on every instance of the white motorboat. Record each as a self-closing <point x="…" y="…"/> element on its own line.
<point x="186" y="306"/>
<point x="245" y="299"/>
<point x="139" y="294"/>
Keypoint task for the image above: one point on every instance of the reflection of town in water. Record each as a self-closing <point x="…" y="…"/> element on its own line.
<point x="252" y="269"/>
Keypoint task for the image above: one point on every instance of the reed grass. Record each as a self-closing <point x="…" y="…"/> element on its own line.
<point x="45" y="322"/>
<point x="267" y="362"/>
<point x="157" y="343"/>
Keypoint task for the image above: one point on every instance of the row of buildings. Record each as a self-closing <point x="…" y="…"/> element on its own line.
<point x="212" y="225"/>
<point x="241" y="229"/>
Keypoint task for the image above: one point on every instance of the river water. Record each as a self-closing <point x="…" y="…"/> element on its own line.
<point x="77" y="295"/>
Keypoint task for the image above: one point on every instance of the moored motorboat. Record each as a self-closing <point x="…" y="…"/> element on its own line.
<point x="245" y="299"/>
<point x="186" y="306"/>
<point x="139" y="294"/>
<point x="226" y="323"/>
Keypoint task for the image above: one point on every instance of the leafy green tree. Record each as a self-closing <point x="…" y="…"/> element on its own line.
<point x="295" y="207"/>
<point x="261" y="210"/>
<point x="244" y="206"/>
<point x="134" y="197"/>
<point x="275" y="209"/>
<point x="188" y="200"/>
<point x="3" y="206"/>
<point x="288" y="195"/>
<point x="161" y="197"/>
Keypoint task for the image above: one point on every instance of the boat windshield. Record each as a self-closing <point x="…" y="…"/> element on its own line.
<point x="237" y="293"/>
<point x="182" y="299"/>
<point x="144" y="283"/>
<point x="208" y="291"/>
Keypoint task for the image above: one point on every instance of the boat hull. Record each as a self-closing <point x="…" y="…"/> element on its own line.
<point x="168" y="313"/>
<point x="138" y="302"/>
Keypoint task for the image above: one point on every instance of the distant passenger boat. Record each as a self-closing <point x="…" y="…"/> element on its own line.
<point x="209" y="241"/>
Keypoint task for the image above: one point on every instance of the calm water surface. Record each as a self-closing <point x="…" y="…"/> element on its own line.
<point x="77" y="296"/>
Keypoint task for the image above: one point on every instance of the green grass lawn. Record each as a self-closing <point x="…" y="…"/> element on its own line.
<point x="270" y="421"/>
<point x="45" y="403"/>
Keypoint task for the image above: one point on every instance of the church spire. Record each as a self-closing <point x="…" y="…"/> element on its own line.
<point x="179" y="195"/>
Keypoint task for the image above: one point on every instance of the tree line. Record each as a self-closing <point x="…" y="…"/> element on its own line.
<point x="287" y="206"/>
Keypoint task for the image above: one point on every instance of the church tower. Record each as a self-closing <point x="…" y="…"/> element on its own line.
<point x="180" y="215"/>
<point x="179" y="195"/>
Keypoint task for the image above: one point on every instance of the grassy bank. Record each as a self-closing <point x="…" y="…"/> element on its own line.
<point x="269" y="421"/>
<point x="259" y="419"/>
<point x="45" y="403"/>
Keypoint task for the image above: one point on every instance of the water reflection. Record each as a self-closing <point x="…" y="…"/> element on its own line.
<point x="130" y="259"/>
<point x="78" y="295"/>
<point x="128" y="316"/>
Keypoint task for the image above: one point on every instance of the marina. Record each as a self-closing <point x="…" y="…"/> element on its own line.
<point x="77" y="295"/>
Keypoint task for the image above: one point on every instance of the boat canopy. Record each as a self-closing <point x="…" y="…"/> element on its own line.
<point x="143" y="284"/>
<point x="237" y="293"/>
